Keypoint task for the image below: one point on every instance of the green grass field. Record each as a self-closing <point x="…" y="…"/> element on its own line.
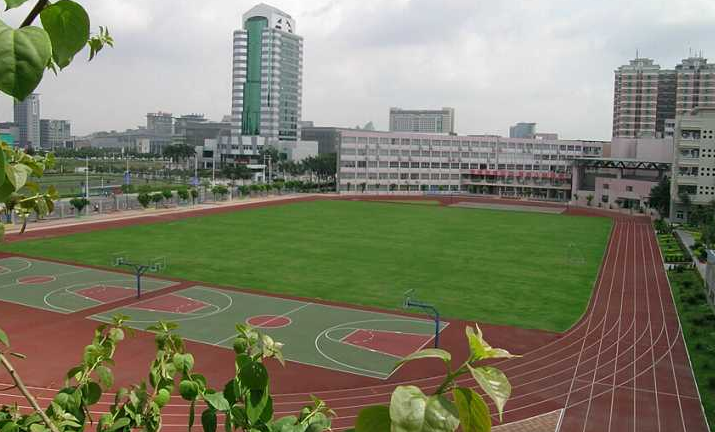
<point x="500" y="267"/>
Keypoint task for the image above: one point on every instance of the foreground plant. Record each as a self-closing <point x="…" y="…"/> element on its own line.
<point x="244" y="403"/>
<point x="410" y="410"/>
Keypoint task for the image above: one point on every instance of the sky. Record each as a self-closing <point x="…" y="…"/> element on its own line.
<point x="496" y="62"/>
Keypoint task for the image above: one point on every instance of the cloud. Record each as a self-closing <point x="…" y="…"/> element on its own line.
<point x="496" y="62"/>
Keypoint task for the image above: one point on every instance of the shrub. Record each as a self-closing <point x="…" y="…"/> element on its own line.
<point x="79" y="203"/>
<point x="219" y="190"/>
<point x="167" y="194"/>
<point x="144" y="199"/>
<point x="183" y="194"/>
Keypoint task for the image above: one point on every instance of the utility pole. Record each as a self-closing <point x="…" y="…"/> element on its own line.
<point x="86" y="178"/>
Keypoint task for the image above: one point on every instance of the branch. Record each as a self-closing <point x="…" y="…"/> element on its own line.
<point x="34" y="13"/>
<point x="25" y="392"/>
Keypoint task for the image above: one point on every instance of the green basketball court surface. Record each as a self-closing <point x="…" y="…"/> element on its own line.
<point x="362" y="342"/>
<point x="65" y="288"/>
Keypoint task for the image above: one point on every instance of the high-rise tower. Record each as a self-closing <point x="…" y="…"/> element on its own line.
<point x="267" y="76"/>
<point x="27" y="117"/>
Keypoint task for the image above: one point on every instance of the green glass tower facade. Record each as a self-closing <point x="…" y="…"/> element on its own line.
<point x="251" y="119"/>
<point x="267" y="76"/>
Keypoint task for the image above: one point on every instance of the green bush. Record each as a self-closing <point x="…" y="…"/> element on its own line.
<point x="79" y="203"/>
<point x="144" y="199"/>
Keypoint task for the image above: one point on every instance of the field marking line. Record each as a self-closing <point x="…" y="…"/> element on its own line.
<point x="285" y="315"/>
<point x="191" y="318"/>
<point x="381" y="375"/>
<point x="56" y="276"/>
<point x="46" y="301"/>
<point x="618" y="334"/>
<point x="597" y="296"/>
<point x="327" y="335"/>
<point x="25" y="260"/>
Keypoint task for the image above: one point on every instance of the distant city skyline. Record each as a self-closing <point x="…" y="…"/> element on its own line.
<point x="496" y="63"/>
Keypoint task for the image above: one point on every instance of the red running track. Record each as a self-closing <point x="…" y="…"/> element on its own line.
<point x="622" y="367"/>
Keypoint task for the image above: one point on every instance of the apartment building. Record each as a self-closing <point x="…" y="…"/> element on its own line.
<point x="490" y="165"/>
<point x="693" y="174"/>
<point x="422" y="121"/>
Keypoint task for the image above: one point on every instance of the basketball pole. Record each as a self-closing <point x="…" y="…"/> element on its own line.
<point x="429" y="308"/>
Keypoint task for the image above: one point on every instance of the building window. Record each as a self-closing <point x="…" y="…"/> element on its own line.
<point x="629" y="188"/>
<point x="605" y="186"/>
<point x="679" y="214"/>
<point x="604" y="198"/>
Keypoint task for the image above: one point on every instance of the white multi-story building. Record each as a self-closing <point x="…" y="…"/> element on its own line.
<point x="422" y="121"/>
<point x="27" y="117"/>
<point x="267" y="76"/>
<point x="694" y="162"/>
<point x="480" y="164"/>
<point x="54" y="133"/>
<point x="635" y="99"/>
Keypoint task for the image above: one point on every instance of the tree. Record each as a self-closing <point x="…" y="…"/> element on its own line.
<point x="167" y="194"/>
<point x="589" y="199"/>
<point x="156" y="198"/>
<point x="183" y="193"/>
<point x="660" y="196"/>
<point x="219" y="190"/>
<point x="194" y="195"/>
<point x="79" y="203"/>
<point x="144" y="199"/>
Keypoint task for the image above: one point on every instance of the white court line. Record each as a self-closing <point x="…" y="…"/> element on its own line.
<point x="270" y="320"/>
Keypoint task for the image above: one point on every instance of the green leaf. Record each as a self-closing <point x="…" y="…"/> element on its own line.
<point x="10" y="427"/>
<point x="473" y="412"/>
<point x="25" y="53"/>
<point x="217" y="401"/>
<point x="208" y="420"/>
<point x="119" y="424"/>
<point x="254" y="376"/>
<point x="11" y="4"/>
<point x="407" y="409"/>
<point x="427" y="353"/>
<point x="494" y="383"/>
<point x="17" y="173"/>
<point x="3" y="336"/>
<point x="72" y="373"/>
<point x="480" y="349"/>
<point x="255" y="404"/>
<point x="192" y="414"/>
<point x="188" y="390"/>
<point x="476" y="345"/>
<point x="67" y="23"/>
<point x="412" y="411"/>
<point x="183" y="362"/>
<point x="373" y="419"/>
<point x="440" y="415"/>
<point x="105" y="376"/>
<point x="93" y="393"/>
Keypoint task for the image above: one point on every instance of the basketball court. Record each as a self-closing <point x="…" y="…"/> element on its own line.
<point x="345" y="339"/>
<point x="65" y="288"/>
<point x="361" y="342"/>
